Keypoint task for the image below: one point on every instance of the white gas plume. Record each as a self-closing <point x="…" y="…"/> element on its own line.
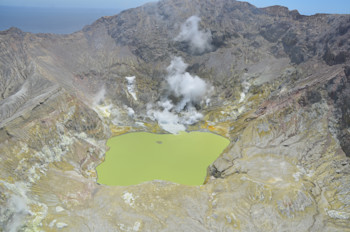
<point x="199" y="41"/>
<point x="20" y="209"/>
<point x="131" y="86"/>
<point x="191" y="89"/>
<point x="99" y="97"/>
<point x="167" y="119"/>
<point x="188" y="90"/>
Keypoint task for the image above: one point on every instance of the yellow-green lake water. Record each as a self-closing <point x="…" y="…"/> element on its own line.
<point x="138" y="157"/>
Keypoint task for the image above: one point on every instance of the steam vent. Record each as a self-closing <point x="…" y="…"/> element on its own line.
<point x="273" y="82"/>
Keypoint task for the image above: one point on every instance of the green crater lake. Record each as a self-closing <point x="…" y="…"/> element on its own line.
<point x="138" y="157"/>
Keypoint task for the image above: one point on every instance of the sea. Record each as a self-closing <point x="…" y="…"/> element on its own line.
<point x="50" y="20"/>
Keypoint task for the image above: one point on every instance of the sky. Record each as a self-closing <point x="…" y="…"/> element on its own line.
<point x="303" y="6"/>
<point x="114" y="4"/>
<point x="308" y="7"/>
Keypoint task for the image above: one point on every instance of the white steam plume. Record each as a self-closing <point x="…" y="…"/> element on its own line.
<point x="189" y="90"/>
<point x="168" y="120"/>
<point x="131" y="86"/>
<point x="183" y="85"/>
<point x="99" y="97"/>
<point x="20" y="210"/>
<point x="199" y="41"/>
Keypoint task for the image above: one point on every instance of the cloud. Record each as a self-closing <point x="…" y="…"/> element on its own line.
<point x="199" y="41"/>
<point x="188" y="90"/>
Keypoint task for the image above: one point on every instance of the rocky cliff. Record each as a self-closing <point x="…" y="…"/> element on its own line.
<point x="276" y="84"/>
